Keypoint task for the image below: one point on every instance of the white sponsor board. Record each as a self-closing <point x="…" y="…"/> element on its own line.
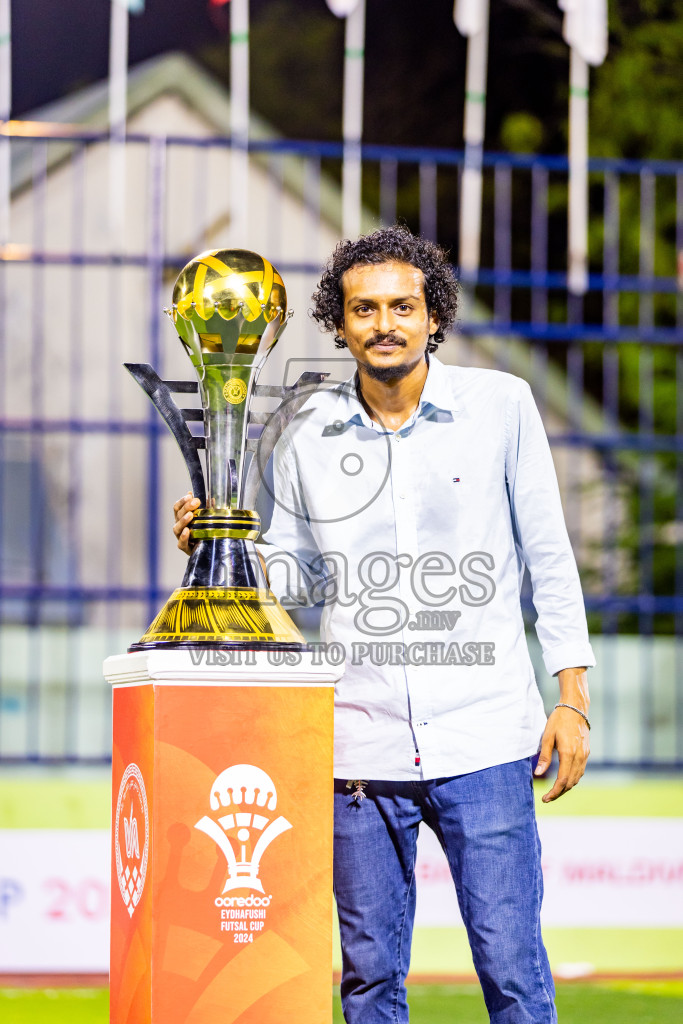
<point x="598" y="872"/>
<point x="54" y="900"/>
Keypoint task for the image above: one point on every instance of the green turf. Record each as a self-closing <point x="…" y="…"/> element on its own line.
<point x="55" y="802"/>
<point x="60" y="801"/>
<point x="618" y="798"/>
<point x="54" y="1006"/>
<point x="446" y="950"/>
<point x="619" y="1002"/>
<point x="580" y="1004"/>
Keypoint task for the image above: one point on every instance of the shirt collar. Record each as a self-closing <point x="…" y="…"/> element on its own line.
<point x="436" y="395"/>
<point x="437" y="391"/>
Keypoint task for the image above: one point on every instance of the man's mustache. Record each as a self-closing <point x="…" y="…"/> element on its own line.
<point x="378" y="339"/>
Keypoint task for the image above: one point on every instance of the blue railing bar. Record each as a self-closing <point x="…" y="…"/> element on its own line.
<point x="369" y="151"/>
<point x="54" y="592"/>
<point x="298" y="147"/>
<point x="23" y="254"/>
<point x="656" y="285"/>
<point x="302" y="147"/>
<point x="595" y="764"/>
<point x="46" y="426"/>
<point x="453" y="157"/>
<point x="596" y="282"/>
<point x="619" y="441"/>
<point x="54" y="759"/>
<point x="653" y="604"/>
<point x="293" y="147"/>
<point x="597" y="164"/>
<point x="67" y="133"/>
<point x="576" y="332"/>
<point x="674" y="763"/>
<point x="444" y="157"/>
<point x="656" y="604"/>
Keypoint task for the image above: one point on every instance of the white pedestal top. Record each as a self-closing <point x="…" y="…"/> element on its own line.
<point x="221" y="668"/>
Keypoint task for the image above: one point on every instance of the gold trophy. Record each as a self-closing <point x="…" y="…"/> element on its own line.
<point x="229" y="309"/>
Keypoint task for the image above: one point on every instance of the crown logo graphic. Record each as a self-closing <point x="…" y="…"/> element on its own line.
<point x="247" y="797"/>
<point x="131" y="837"/>
<point x="130" y="830"/>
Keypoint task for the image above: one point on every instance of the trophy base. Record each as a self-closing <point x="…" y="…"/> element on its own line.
<point x="222" y="618"/>
<point x="215" y="645"/>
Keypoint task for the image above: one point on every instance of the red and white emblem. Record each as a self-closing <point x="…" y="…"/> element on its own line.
<point x="131" y="836"/>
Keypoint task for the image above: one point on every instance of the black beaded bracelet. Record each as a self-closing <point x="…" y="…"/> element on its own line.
<point x="578" y="711"/>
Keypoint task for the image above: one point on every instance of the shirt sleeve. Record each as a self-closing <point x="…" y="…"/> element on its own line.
<point x="295" y="567"/>
<point x="542" y="539"/>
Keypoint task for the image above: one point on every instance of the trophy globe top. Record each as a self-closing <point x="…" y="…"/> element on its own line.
<point x="229" y="307"/>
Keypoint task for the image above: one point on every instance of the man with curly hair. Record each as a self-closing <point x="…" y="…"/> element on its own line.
<point x="411" y="498"/>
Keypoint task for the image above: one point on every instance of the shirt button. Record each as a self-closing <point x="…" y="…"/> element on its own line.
<point x="396" y="438"/>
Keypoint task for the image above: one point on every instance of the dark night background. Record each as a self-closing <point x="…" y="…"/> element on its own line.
<point x="414" y="94"/>
<point x="415" y="67"/>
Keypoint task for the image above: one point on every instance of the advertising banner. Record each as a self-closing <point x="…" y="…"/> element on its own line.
<point x="54" y="900"/>
<point x="597" y="872"/>
<point x="54" y="883"/>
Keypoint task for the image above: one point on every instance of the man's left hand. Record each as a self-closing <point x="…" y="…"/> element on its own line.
<point x="567" y="731"/>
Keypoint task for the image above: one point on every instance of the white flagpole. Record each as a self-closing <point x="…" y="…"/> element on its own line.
<point x="577" y="271"/>
<point x="473" y="19"/>
<point x="585" y="31"/>
<point x="352" y="120"/>
<point x="118" y="108"/>
<point x="239" y="121"/>
<point x="5" y="110"/>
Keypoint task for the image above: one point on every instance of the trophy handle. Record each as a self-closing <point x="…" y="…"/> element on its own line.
<point x="274" y="424"/>
<point x="160" y="393"/>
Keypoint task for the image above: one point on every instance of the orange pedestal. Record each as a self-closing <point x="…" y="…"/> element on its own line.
<point x="222" y="840"/>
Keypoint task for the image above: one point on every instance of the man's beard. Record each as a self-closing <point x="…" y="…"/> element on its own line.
<point x="386" y="373"/>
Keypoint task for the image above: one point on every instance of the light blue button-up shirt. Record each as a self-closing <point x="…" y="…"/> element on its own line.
<point x="418" y="539"/>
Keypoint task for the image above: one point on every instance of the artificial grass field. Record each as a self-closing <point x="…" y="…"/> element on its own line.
<point x="616" y="1002"/>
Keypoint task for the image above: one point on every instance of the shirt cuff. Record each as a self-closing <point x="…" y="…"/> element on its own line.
<point x="573" y="655"/>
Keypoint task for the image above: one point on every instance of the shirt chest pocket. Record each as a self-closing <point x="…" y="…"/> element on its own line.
<point x="346" y="479"/>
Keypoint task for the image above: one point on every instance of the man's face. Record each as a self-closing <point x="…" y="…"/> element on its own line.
<point x="386" y="322"/>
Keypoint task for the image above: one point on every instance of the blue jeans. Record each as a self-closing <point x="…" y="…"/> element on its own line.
<point x="486" y="825"/>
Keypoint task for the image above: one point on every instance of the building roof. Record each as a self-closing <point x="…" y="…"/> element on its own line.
<point x="171" y="74"/>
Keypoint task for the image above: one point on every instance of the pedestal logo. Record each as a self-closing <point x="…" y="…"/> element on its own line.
<point x="244" y="799"/>
<point x="131" y="837"/>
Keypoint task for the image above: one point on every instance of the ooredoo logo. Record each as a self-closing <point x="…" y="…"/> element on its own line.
<point x="131" y="837"/>
<point x="246" y="798"/>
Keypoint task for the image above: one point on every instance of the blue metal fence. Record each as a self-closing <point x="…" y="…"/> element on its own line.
<point x="88" y="473"/>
